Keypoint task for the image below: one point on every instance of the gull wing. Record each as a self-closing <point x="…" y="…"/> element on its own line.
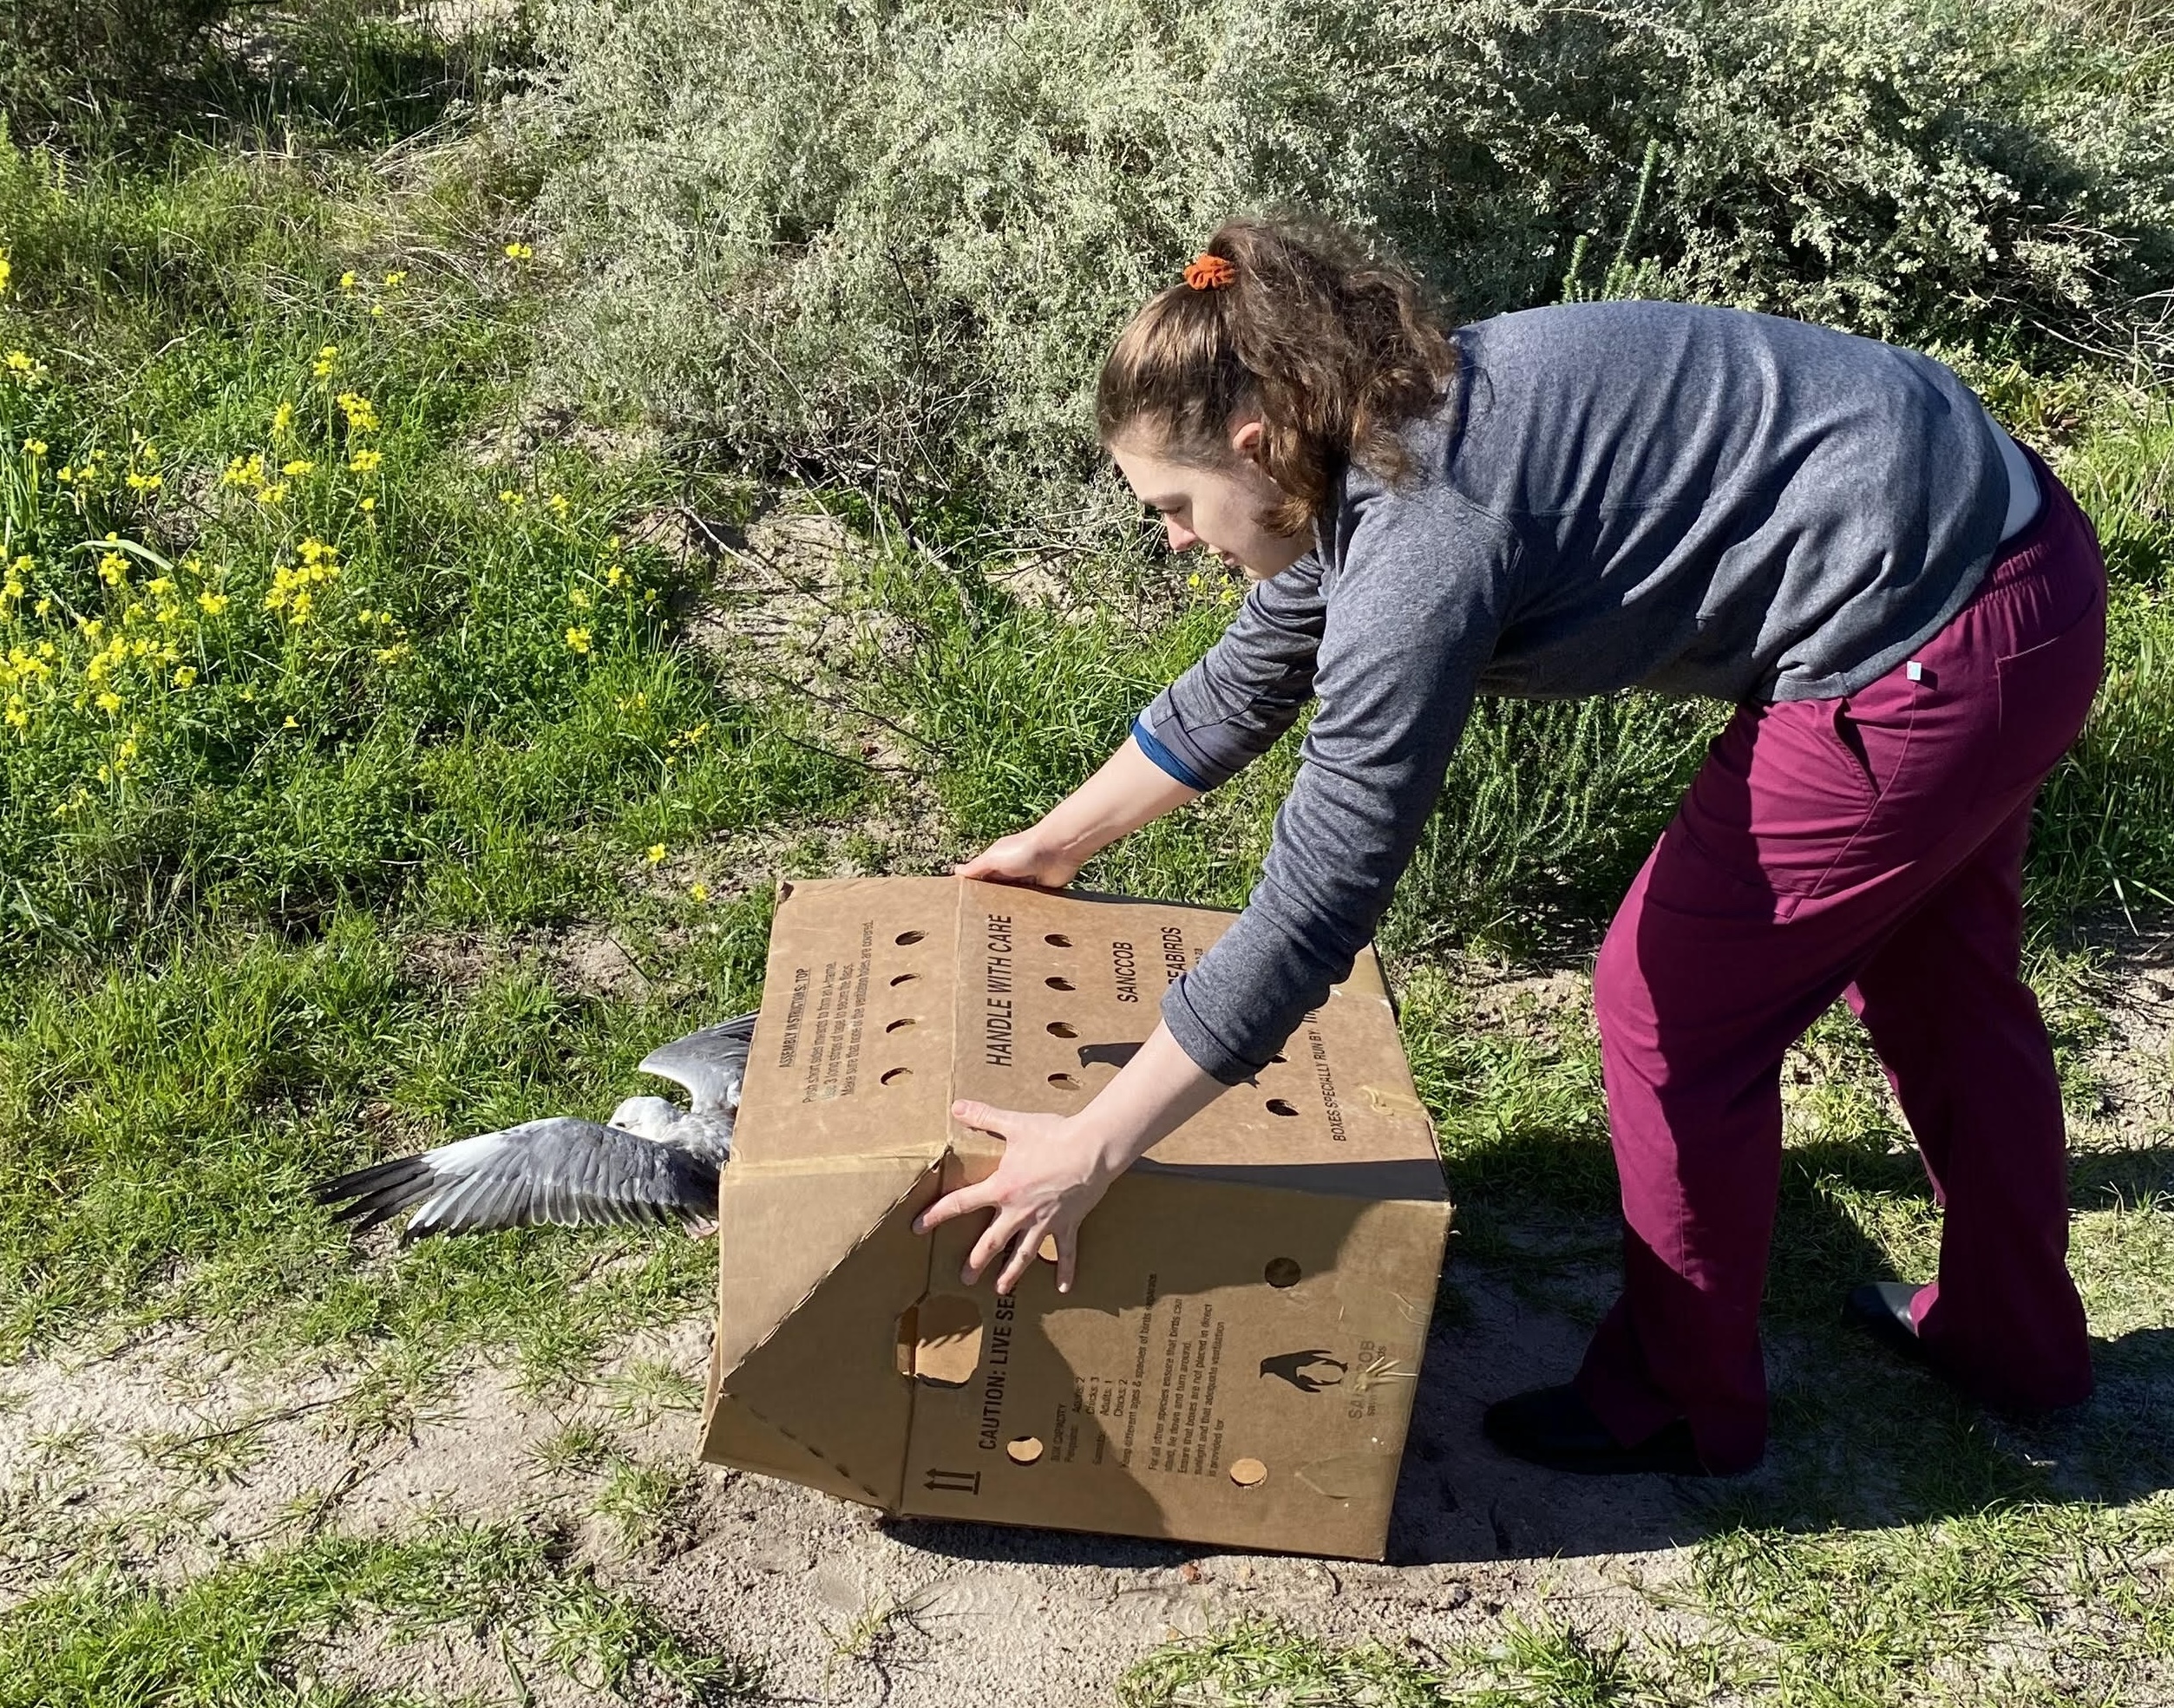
<point x="577" y="1173"/>
<point x="710" y="1064"/>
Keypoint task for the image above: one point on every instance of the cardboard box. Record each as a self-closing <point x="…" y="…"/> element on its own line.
<point x="1236" y="1360"/>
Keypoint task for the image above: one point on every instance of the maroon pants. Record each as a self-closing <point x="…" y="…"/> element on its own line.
<point x="1869" y="847"/>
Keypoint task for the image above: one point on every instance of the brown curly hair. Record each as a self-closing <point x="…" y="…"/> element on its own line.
<point x="1334" y="349"/>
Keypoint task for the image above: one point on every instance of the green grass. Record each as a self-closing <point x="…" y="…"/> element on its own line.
<point x="1262" y="1661"/>
<point x="252" y="1635"/>
<point x="303" y="894"/>
<point x="228" y="819"/>
<point x="1860" y="1619"/>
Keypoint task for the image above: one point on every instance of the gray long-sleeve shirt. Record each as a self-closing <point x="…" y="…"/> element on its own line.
<point x="1695" y="500"/>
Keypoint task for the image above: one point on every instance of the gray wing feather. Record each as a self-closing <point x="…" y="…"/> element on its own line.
<point x="710" y="1064"/>
<point x="562" y="1170"/>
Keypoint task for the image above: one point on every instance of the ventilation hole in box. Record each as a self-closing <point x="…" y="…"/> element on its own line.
<point x="940" y="1341"/>
<point x="898" y="1026"/>
<point x="1280" y="1106"/>
<point x="1023" y="1449"/>
<point x="1047" y="1250"/>
<point x="1273" y="1060"/>
<point x="1248" y="1472"/>
<point x="1064" y="1082"/>
<point x="909" y="936"/>
<point x="1057" y="940"/>
<point x="1060" y="984"/>
<point x="1058" y="1029"/>
<point x="1282" y="1272"/>
<point x="896" y="1074"/>
<point x="905" y="978"/>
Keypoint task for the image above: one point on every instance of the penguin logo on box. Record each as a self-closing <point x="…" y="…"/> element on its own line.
<point x="1303" y="1369"/>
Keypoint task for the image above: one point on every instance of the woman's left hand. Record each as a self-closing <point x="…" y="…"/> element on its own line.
<point x="1053" y="1171"/>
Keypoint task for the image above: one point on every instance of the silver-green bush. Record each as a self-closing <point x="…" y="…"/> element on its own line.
<point x="887" y="241"/>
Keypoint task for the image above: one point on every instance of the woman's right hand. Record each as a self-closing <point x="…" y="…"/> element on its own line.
<point x="1028" y="856"/>
<point x="1128" y="791"/>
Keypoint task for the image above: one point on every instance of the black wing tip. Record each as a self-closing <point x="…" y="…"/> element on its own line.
<point x="366" y="1183"/>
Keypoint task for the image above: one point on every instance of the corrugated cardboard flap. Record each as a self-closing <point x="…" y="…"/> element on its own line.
<point x="819" y="1396"/>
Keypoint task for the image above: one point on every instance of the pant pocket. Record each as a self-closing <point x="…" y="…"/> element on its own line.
<point x="1850" y="738"/>
<point x="2046" y="695"/>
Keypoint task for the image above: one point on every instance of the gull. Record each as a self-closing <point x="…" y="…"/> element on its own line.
<point x="653" y="1161"/>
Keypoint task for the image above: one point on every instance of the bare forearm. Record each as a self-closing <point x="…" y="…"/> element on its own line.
<point x="1129" y="791"/>
<point x="1154" y="1095"/>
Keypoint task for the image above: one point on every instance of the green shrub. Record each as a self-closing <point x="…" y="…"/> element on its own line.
<point x="888" y="243"/>
<point x="58" y="57"/>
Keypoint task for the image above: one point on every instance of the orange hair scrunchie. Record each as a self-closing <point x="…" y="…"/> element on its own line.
<point x="1209" y="272"/>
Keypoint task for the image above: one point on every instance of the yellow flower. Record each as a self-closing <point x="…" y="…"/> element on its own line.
<point x="272" y="494"/>
<point x="300" y="464"/>
<point x="36" y="447"/>
<point x="365" y="462"/>
<point x="109" y="703"/>
<point x="518" y="251"/>
<point x="579" y="599"/>
<point x="510" y="498"/>
<point x="282" y="417"/>
<point x="559" y="504"/>
<point x="6" y="272"/>
<point x="184" y="676"/>
<point x="368" y="504"/>
<point x="656" y="853"/>
<point x="614" y="576"/>
<point x="700" y="892"/>
<point x="289" y="722"/>
<point x="347" y="281"/>
<point x="377" y="310"/>
<point x="20" y="360"/>
<point x="113" y="569"/>
<point x="212" y="603"/>
<point x="145" y="482"/>
<point x="395" y="278"/>
<point x="327" y="359"/>
<point x="578" y="639"/>
<point x="362" y="415"/>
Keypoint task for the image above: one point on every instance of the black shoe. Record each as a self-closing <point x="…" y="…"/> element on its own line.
<point x="1554" y="1427"/>
<point x="1883" y="1310"/>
